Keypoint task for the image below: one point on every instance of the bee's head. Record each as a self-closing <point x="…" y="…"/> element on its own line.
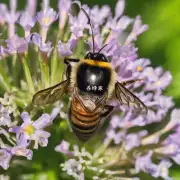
<point x="96" y="56"/>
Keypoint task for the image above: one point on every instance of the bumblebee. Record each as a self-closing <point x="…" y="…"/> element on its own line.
<point x="92" y="83"/>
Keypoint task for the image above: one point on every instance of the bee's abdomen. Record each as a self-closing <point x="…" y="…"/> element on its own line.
<point x="83" y="125"/>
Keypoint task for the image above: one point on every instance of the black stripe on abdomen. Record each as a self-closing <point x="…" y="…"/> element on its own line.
<point x="83" y="129"/>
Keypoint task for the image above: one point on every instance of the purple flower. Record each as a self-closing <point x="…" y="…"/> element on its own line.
<point x="17" y="45"/>
<point x="111" y="134"/>
<point x="119" y="23"/>
<point x="64" y="148"/>
<point x="5" y="158"/>
<point x="3" y="52"/>
<point x="64" y="5"/>
<point x="31" y="7"/>
<point x="163" y="102"/>
<point x="158" y="109"/>
<point x="124" y="54"/>
<point x="138" y="67"/>
<point x="174" y="120"/>
<point x="11" y="16"/>
<point x="123" y="72"/>
<point x="55" y="112"/>
<point x="134" y="139"/>
<point x="3" y="10"/>
<point x="11" y="19"/>
<point x="115" y="120"/>
<point x="64" y="8"/>
<point x="33" y="130"/>
<point x="109" y="50"/>
<point x="174" y="138"/>
<point x="45" y="4"/>
<point x="21" y="148"/>
<point x="118" y="26"/>
<point x="98" y="15"/>
<point x="116" y="137"/>
<point x="38" y="41"/>
<point x="119" y="137"/>
<point x="158" y="80"/>
<point x="138" y="29"/>
<point x="79" y="23"/>
<point x="46" y="17"/>
<point x="58" y="110"/>
<point x="119" y="9"/>
<point x="13" y="5"/>
<point x="65" y="49"/>
<point x="144" y="163"/>
<point x="73" y="168"/>
<point x="5" y="119"/>
<point x="176" y="158"/>
<point x="27" y="21"/>
<point x="169" y="148"/>
<point x="124" y="121"/>
<point x="171" y="145"/>
<point x="162" y="170"/>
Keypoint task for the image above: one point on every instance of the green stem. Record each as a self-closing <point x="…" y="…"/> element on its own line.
<point x="80" y="48"/>
<point x="4" y="84"/>
<point x="14" y="69"/>
<point x="44" y="72"/>
<point x="61" y="70"/>
<point x="101" y="149"/>
<point x="57" y="65"/>
<point x="28" y="75"/>
<point x="54" y="63"/>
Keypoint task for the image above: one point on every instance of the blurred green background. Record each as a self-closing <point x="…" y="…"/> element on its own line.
<point x="161" y="43"/>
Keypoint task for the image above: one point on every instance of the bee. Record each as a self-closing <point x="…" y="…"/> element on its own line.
<point x="92" y="82"/>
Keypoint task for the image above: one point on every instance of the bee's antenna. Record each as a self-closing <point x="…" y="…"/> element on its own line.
<point x="89" y="22"/>
<point x="102" y="48"/>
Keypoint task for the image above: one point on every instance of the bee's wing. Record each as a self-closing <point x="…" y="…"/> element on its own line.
<point x="127" y="98"/>
<point x="52" y="94"/>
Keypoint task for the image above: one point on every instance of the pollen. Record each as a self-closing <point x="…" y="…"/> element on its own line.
<point x="21" y="152"/>
<point x="139" y="68"/>
<point x="158" y="83"/>
<point x="29" y="129"/>
<point x="1" y="153"/>
<point x="172" y="149"/>
<point x="46" y="20"/>
<point x="164" y="171"/>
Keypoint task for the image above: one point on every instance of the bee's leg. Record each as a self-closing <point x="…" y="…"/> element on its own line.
<point x="70" y="63"/>
<point x="69" y="116"/>
<point x="125" y="83"/>
<point x="107" y="111"/>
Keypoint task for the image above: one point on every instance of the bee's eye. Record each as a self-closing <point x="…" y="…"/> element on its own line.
<point x="88" y="56"/>
<point x="104" y="58"/>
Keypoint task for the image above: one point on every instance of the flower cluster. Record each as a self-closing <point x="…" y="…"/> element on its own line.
<point x="132" y="143"/>
<point x="29" y="132"/>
